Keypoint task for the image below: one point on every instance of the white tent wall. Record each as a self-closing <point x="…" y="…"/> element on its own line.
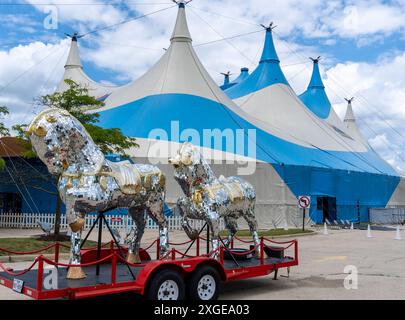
<point x="398" y="198"/>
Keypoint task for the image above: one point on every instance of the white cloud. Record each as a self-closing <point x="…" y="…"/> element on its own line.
<point x="26" y="72"/>
<point x="88" y="14"/>
<point x="379" y="105"/>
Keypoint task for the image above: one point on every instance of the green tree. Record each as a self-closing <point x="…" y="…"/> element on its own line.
<point x="76" y="100"/>
<point x="3" y="130"/>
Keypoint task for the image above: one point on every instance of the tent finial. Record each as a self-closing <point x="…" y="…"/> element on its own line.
<point x="181" y="3"/>
<point x="74" y="36"/>
<point x="349" y="101"/>
<point x="315" y="60"/>
<point x="226" y="77"/>
<point x="226" y="74"/>
<point x="270" y="27"/>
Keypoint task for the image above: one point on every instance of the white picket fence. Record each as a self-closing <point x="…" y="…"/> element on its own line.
<point x="120" y="222"/>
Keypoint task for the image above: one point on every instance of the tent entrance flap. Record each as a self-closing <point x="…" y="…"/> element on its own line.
<point x="327" y="205"/>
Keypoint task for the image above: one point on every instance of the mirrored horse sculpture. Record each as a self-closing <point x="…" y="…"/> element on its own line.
<point x="90" y="183"/>
<point x="210" y="198"/>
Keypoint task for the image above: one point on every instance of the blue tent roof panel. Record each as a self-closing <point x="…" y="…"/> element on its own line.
<point x="267" y="73"/>
<point x="315" y="97"/>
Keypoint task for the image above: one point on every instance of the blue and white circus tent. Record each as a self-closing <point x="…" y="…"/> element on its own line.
<point x="294" y="151"/>
<point x="318" y="155"/>
<point x="244" y="73"/>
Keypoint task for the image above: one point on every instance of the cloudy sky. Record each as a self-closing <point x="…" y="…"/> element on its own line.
<point x="362" y="44"/>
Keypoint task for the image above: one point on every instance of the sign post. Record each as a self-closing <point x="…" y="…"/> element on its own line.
<point x="304" y="202"/>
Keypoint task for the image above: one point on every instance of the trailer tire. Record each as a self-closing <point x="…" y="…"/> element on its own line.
<point x="203" y="284"/>
<point x="166" y="284"/>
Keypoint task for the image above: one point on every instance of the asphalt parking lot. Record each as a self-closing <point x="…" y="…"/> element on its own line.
<point x="379" y="261"/>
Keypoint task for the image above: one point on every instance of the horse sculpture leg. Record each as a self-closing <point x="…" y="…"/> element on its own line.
<point x="139" y="218"/>
<point x="161" y="221"/>
<point x="155" y="211"/>
<point x="76" y="222"/>
<point x="213" y="222"/>
<point x="232" y="226"/>
<point x="184" y="206"/>
<point x="251" y="221"/>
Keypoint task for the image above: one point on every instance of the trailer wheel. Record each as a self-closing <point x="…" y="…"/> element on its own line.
<point x="166" y="284"/>
<point x="203" y="284"/>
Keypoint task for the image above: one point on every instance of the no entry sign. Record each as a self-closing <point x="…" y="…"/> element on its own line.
<point x="304" y="202"/>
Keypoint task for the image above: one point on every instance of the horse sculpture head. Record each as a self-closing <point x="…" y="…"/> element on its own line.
<point x="60" y="141"/>
<point x="190" y="167"/>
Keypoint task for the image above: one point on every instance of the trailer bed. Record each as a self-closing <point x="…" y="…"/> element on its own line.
<point x="115" y="277"/>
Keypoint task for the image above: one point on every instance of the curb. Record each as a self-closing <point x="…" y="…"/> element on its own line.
<point x="31" y="257"/>
<point x="296" y="235"/>
<point x="293" y="235"/>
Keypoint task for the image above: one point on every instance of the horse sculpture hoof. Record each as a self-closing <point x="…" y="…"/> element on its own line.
<point x="75" y="273"/>
<point x="193" y="235"/>
<point x="77" y="225"/>
<point x="133" y="258"/>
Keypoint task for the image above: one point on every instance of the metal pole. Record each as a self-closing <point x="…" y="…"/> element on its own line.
<point x="208" y="238"/>
<point x="198" y="243"/>
<point x="358" y="211"/>
<point x="100" y="233"/>
<point x="229" y="251"/>
<point x="88" y="233"/>
<point x="303" y="219"/>
<point x="117" y="244"/>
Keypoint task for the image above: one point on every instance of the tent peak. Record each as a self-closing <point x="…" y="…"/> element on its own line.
<point x="269" y="51"/>
<point x="181" y="32"/>
<point x="349" y="116"/>
<point x="316" y="80"/>
<point x="270" y="27"/>
<point x="244" y="73"/>
<point x="226" y="77"/>
<point x="74" y="36"/>
<point x="73" y="60"/>
<point x="181" y="3"/>
<point x="315" y="60"/>
<point x="349" y="101"/>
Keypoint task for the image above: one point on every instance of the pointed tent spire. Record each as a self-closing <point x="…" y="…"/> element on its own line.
<point x="181" y="32"/>
<point x="226" y="78"/>
<point x="244" y="73"/>
<point x="267" y="73"/>
<point x="73" y="60"/>
<point x="350" y="122"/>
<point x="316" y="80"/>
<point x="269" y="52"/>
<point x="349" y="116"/>
<point x="315" y="97"/>
<point x="74" y="71"/>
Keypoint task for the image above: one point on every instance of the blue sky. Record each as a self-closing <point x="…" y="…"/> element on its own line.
<point x="362" y="44"/>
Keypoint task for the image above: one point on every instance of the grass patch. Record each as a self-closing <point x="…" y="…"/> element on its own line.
<point x="268" y="233"/>
<point x="32" y="244"/>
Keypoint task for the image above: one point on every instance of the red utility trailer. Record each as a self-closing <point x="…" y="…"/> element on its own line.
<point x="173" y="277"/>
